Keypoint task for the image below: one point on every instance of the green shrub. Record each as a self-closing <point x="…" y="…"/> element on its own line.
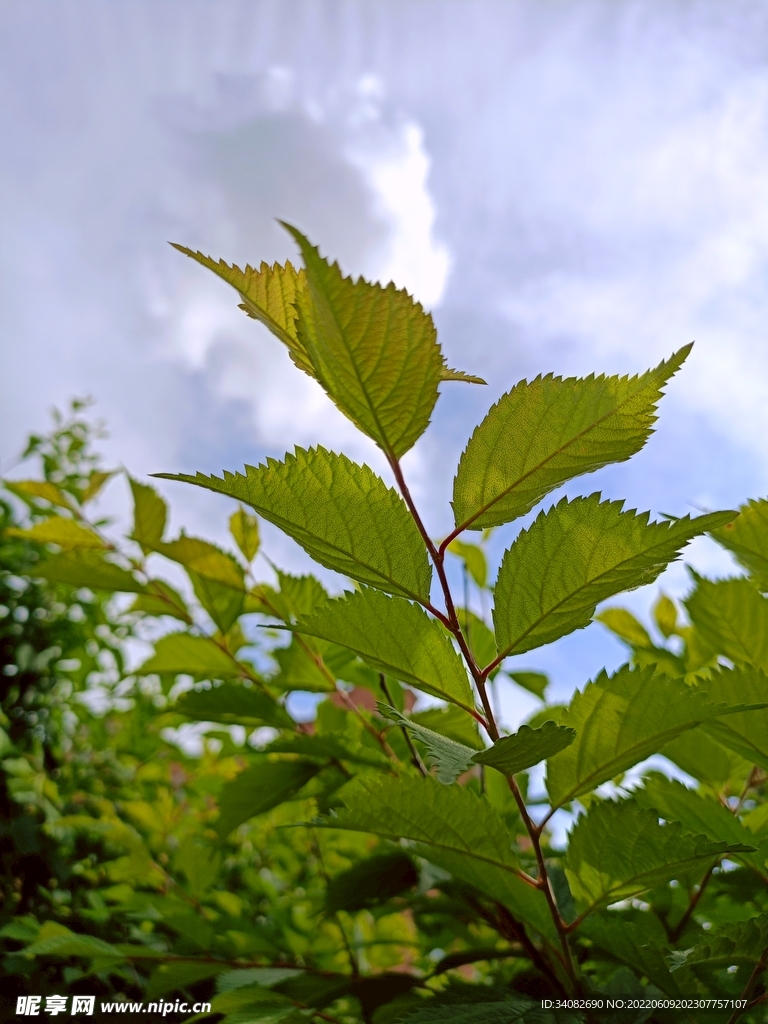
<point x="382" y="863"/>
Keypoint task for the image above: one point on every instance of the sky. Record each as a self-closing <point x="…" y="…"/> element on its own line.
<point x="570" y="186"/>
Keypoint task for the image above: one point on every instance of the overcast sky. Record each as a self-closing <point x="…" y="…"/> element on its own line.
<point x="569" y="185"/>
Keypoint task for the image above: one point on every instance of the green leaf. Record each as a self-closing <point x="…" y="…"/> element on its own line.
<point x="697" y="814"/>
<point x="66" y="533"/>
<point x="457" y="830"/>
<point x="624" y="624"/>
<point x="534" y="682"/>
<point x="374" y="351"/>
<point x="745" y="732"/>
<point x="513" y="1011"/>
<point x="216" y="577"/>
<point x="205" y="560"/>
<point x="327" y="748"/>
<point x="371" y="881"/>
<point x="665" y="614"/>
<point x="747" y="538"/>
<point x="575" y="555"/>
<point x="450" y="759"/>
<point x="149" y="515"/>
<point x="617" y="850"/>
<point x="732" y="617"/>
<point x="193" y="655"/>
<point x="88" y="569"/>
<point x="44" y="489"/>
<point x="233" y="704"/>
<point x="467" y="378"/>
<point x="542" y="433"/>
<point x="266" y="977"/>
<point x="245" y="531"/>
<point x="65" y="943"/>
<point x="706" y="760"/>
<point x="473" y="558"/>
<point x="173" y="977"/>
<point x="342" y="514"/>
<point x="396" y="637"/>
<point x="741" y="944"/>
<point x="480" y="638"/>
<point x="453" y="722"/>
<point x="96" y="480"/>
<point x="527" y="747"/>
<point x="636" y="939"/>
<point x="162" y="599"/>
<point x="619" y="721"/>
<point x="268" y="295"/>
<point x="259" y="788"/>
<point x="303" y="667"/>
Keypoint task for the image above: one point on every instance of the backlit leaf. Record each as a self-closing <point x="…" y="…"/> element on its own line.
<point x="179" y="653"/>
<point x="534" y="682"/>
<point x="545" y="432"/>
<point x="696" y="813"/>
<point x="704" y="759"/>
<point x="342" y="514"/>
<point x="575" y="555"/>
<point x="66" y="533"/>
<point x="624" y="624"/>
<point x="245" y="530"/>
<point x="619" y="721"/>
<point x="374" y="351"/>
<point x="527" y="747"/>
<point x="161" y="599"/>
<point x="88" y="568"/>
<point x="396" y="637"/>
<point x="747" y="538"/>
<point x="474" y="559"/>
<point x="617" y="850"/>
<point x="268" y="295"/>
<point x="745" y="732"/>
<point x="732" y="617"/>
<point x="44" y="489"/>
<point x="149" y="515"/>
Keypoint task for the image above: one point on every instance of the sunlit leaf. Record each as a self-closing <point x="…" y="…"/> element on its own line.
<point x="542" y="433"/>
<point x="575" y="555"/>
<point x="342" y="514"/>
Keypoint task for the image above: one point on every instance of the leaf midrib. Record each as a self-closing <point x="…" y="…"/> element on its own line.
<point x="558" y="451"/>
<point x="595" y="579"/>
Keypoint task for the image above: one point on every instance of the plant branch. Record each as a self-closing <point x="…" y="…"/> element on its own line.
<point x="679" y="928"/>
<point x="451" y="620"/>
<point x="749" y="988"/>
<point x="544" y="882"/>
<point x="416" y="760"/>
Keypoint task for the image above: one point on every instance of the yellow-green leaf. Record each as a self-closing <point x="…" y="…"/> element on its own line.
<point x="245" y="531"/>
<point x="149" y="515"/>
<point x="573" y="557"/>
<point x="342" y="514"/>
<point x="374" y="351"/>
<point x="747" y="538"/>
<point x="545" y="432"/>
<point x="396" y="637"/>
<point x="269" y="295"/>
<point x="198" y="656"/>
<point x="66" y="533"/>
